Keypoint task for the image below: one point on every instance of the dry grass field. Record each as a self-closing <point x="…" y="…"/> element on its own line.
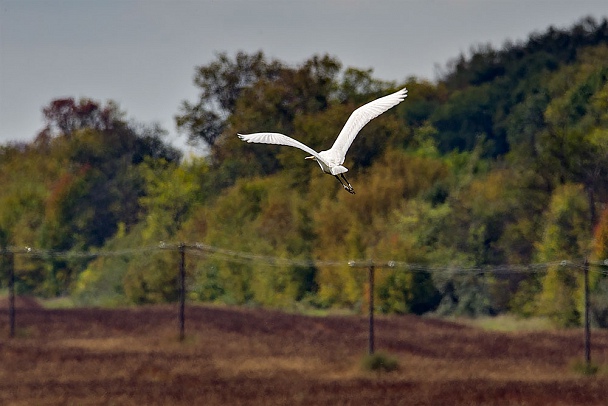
<point x="237" y="356"/>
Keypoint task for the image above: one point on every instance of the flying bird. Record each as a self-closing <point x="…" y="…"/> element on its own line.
<point x="332" y="159"/>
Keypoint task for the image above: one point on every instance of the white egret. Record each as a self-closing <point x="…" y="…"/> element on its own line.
<point x="332" y="159"/>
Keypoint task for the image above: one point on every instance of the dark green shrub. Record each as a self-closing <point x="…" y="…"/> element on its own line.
<point x="380" y="362"/>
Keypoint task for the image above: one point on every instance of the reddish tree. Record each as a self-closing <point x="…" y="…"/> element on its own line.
<point x="64" y="116"/>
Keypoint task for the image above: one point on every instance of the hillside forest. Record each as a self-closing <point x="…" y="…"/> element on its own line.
<point x="501" y="162"/>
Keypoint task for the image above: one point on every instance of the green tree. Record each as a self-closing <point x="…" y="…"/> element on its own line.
<point x="71" y="187"/>
<point x="598" y="280"/>
<point x="566" y="237"/>
<point x="172" y="193"/>
<point x="221" y="83"/>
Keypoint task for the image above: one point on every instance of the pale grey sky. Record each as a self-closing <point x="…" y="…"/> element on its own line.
<point x="142" y="53"/>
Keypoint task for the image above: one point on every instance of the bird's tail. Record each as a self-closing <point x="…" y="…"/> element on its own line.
<point x="336" y="170"/>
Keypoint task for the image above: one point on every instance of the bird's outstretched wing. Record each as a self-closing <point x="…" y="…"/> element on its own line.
<point x="359" y="118"/>
<point x="278" y="139"/>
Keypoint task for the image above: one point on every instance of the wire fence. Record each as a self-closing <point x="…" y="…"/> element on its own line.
<point x="198" y="249"/>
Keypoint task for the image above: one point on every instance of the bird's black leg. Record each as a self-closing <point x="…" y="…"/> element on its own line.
<point x="340" y="180"/>
<point x="348" y="186"/>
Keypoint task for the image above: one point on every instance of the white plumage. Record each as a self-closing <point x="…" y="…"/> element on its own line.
<point x="332" y="159"/>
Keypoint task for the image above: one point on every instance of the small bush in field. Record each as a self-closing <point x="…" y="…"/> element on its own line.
<point x="380" y="362"/>
<point x="584" y="368"/>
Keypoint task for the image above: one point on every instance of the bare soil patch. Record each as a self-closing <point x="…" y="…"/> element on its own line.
<point x="252" y="356"/>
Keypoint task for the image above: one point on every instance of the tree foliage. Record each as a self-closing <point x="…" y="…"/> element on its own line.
<point x="72" y="187"/>
<point x="503" y="161"/>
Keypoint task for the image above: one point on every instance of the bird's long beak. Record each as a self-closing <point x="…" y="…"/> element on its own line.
<point x="310" y="157"/>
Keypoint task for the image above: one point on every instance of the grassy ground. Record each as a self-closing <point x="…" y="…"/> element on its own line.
<point x="254" y="356"/>
<point x="508" y="323"/>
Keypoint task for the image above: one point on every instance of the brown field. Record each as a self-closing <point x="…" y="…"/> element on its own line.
<point x="236" y="356"/>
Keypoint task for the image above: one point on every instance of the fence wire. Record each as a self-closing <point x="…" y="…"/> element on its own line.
<point x="202" y="250"/>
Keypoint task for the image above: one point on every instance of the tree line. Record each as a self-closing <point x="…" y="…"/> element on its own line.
<point x="502" y="160"/>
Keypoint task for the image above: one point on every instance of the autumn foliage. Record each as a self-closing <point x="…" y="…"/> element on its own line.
<point x="502" y="162"/>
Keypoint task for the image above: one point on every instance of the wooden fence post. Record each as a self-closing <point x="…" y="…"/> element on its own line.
<point x="11" y="293"/>
<point x="182" y="289"/>
<point x="587" y="327"/>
